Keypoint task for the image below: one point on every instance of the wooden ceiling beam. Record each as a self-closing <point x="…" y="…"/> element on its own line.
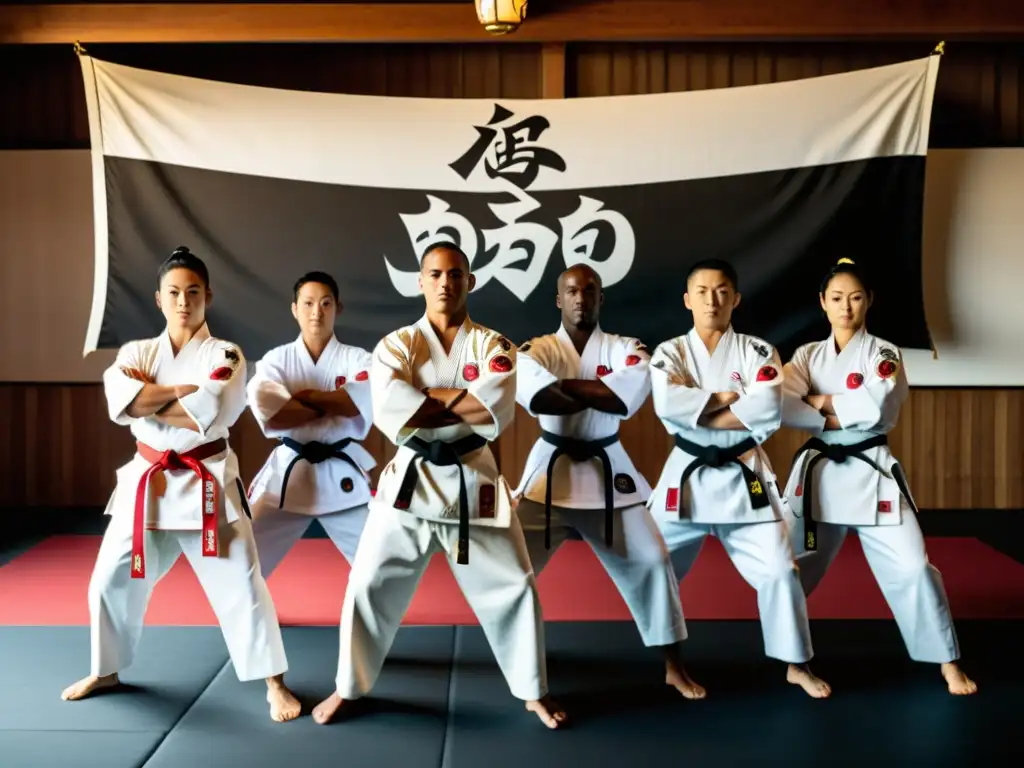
<point x="551" y="21"/>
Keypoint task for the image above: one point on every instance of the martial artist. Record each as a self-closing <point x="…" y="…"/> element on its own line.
<point x="180" y="393"/>
<point x="443" y="389"/>
<point x="581" y="383"/>
<point x="314" y="396"/>
<point x="718" y="394"/>
<point x="847" y="392"/>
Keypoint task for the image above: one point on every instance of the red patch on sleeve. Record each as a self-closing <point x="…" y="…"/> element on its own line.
<point x="500" y="364"/>
<point x="339" y="382"/>
<point x="886" y="368"/>
<point x="884" y="506"/>
<point x="633" y="360"/>
<point x="362" y="376"/>
<point x="854" y="380"/>
<point x="767" y="373"/>
<point x="221" y="374"/>
<point x="603" y="370"/>
<point x="471" y="372"/>
<point x="672" y="500"/>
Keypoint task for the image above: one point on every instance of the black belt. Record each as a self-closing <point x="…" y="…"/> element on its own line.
<point x="314" y="453"/>
<point x="443" y="455"/>
<point x="838" y="454"/>
<point x="581" y="450"/>
<point x="715" y="457"/>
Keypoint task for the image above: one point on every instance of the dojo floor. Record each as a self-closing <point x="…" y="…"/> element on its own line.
<point x="441" y="700"/>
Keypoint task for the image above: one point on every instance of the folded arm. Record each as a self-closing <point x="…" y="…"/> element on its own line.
<point x="677" y="397"/>
<point x="875" y="405"/>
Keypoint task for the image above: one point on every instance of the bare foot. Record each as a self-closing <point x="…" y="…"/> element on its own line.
<point x="283" y="704"/>
<point x="324" y="712"/>
<point x="675" y="675"/>
<point x="959" y="683"/>
<point x="88" y="685"/>
<point x="814" y="686"/>
<point x="548" y="711"/>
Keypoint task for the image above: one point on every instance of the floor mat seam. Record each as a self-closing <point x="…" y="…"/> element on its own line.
<point x="446" y="741"/>
<point x="185" y="711"/>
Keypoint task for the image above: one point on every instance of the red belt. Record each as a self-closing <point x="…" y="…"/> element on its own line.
<point x="169" y="460"/>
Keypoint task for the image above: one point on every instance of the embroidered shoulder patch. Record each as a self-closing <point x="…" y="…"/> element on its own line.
<point x="504" y="343"/>
<point x="526" y="347"/>
<point x="222" y="374"/>
<point x="854" y="380"/>
<point x="886" y="368"/>
<point x="500" y="364"/>
<point x="760" y="348"/>
<point x="633" y="360"/>
<point x="767" y="373"/>
<point x="362" y="376"/>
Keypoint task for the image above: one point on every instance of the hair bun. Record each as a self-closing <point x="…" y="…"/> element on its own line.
<point x="844" y="260"/>
<point x="181" y="249"/>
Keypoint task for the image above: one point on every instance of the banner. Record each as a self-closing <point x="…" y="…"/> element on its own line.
<point x="266" y="184"/>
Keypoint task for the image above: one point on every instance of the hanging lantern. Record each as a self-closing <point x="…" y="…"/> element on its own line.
<point x="500" y="17"/>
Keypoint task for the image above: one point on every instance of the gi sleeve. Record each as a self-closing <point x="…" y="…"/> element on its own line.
<point x="534" y="372"/>
<point x="267" y="394"/>
<point x="630" y="378"/>
<point x="496" y="386"/>
<point x="875" y="405"/>
<point x="796" y="385"/>
<point x="676" y="397"/>
<point x="360" y="389"/>
<point x="122" y="382"/>
<point x="394" y="399"/>
<point x="759" y="407"/>
<point x="220" y="399"/>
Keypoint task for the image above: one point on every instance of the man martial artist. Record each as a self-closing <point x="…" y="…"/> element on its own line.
<point x="314" y="396"/>
<point x="180" y="393"/>
<point x="580" y="383"/>
<point x="847" y="392"/>
<point x="718" y="394"/>
<point x="443" y="389"/>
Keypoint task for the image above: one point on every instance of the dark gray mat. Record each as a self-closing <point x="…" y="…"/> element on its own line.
<point x="401" y="724"/>
<point x="173" y="666"/>
<point x="76" y="749"/>
<point x="613" y="690"/>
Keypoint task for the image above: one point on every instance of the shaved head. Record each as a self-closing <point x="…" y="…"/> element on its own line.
<point x="581" y="270"/>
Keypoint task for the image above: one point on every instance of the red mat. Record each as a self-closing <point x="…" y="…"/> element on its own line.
<point x="47" y="586"/>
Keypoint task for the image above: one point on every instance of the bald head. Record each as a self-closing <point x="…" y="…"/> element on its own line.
<point x="579" y="297"/>
<point x="583" y="271"/>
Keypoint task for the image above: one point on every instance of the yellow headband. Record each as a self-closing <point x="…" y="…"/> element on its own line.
<point x="844" y="261"/>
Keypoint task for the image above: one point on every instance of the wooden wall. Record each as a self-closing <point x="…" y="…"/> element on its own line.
<point x="962" y="448"/>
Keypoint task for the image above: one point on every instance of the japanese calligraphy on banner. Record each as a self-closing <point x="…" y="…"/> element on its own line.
<point x="781" y="179"/>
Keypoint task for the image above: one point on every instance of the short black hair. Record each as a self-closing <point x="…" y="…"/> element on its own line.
<point x="581" y="268"/>
<point x="718" y="265"/>
<point x="183" y="258"/>
<point x="846" y="267"/>
<point x="448" y="246"/>
<point x="315" y="277"/>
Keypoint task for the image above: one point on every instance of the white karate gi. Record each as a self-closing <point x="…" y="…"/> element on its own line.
<point x="402" y="533"/>
<point x="174" y="502"/>
<point x="868" y="387"/>
<point x="332" y="491"/>
<point x="719" y="500"/>
<point x="637" y="561"/>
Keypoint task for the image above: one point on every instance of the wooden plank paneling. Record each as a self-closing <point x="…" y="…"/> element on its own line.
<point x="553" y="21"/>
<point x="978" y="100"/>
<point x="962" y="449"/>
<point x="50" y="98"/>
